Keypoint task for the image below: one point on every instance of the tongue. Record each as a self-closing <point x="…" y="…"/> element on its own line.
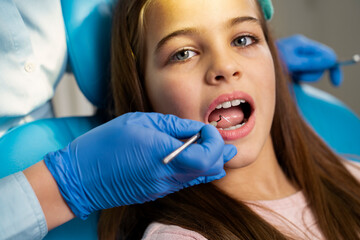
<point x="229" y="117"/>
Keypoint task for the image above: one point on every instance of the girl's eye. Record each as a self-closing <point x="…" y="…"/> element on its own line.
<point x="244" y="41"/>
<point x="182" y="55"/>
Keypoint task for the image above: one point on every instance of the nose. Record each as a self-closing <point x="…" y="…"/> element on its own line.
<point x="223" y="67"/>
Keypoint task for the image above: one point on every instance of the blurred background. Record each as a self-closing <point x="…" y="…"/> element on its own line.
<point x="332" y="22"/>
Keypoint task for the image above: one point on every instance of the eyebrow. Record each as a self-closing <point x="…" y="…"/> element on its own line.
<point x="182" y="32"/>
<point x="193" y="31"/>
<point x="239" y="20"/>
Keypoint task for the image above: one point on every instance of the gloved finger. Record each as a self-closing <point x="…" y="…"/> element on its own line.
<point x="303" y="54"/>
<point x="336" y="76"/>
<point x="308" y="76"/>
<point x="169" y="124"/>
<point x="230" y="151"/>
<point x="205" y="179"/>
<point x="204" y="156"/>
<point x="178" y="127"/>
<point x="313" y="61"/>
<point x="216" y="171"/>
<point x="218" y="168"/>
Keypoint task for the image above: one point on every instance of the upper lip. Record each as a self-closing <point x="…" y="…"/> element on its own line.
<point x="228" y="97"/>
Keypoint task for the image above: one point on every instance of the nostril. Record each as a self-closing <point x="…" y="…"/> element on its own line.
<point x="219" y="77"/>
<point x="236" y="74"/>
<point x="224" y="77"/>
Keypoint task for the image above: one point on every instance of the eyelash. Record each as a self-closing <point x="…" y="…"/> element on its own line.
<point x="254" y="39"/>
<point x="172" y="59"/>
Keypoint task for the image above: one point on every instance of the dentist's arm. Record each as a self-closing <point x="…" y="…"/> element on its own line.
<point x="120" y="163"/>
<point x="53" y="205"/>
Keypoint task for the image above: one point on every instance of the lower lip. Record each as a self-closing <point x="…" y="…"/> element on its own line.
<point x="230" y="135"/>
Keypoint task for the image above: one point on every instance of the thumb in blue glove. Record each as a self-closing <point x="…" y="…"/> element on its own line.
<point x="307" y="60"/>
<point x="120" y="162"/>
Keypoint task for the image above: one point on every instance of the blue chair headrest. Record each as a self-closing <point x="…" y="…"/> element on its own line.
<point x="88" y="30"/>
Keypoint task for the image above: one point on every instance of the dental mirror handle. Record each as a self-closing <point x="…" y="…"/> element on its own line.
<point x="176" y="152"/>
<point x="191" y="140"/>
<point x="353" y="60"/>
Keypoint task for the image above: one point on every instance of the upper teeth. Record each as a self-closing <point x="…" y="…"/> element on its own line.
<point x="232" y="103"/>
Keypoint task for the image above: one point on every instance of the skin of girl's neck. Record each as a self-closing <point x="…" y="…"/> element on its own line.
<point x="263" y="179"/>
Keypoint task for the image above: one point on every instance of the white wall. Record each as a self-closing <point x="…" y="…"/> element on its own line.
<point x="69" y="101"/>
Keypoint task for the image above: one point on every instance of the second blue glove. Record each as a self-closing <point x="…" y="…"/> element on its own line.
<point x="307" y="60"/>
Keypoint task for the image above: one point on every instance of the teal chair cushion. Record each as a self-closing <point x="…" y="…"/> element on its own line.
<point x="88" y="32"/>
<point x="27" y="144"/>
<point x="331" y="119"/>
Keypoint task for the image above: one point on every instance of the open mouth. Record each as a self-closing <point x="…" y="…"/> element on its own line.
<point x="230" y="115"/>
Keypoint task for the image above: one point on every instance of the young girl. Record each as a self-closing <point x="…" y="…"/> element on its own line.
<point x="211" y="60"/>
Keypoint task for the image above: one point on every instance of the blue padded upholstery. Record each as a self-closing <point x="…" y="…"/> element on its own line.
<point x="27" y="144"/>
<point x="333" y="121"/>
<point x="88" y="30"/>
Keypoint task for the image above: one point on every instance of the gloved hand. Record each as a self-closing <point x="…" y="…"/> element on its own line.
<point x="120" y="162"/>
<point x="307" y="60"/>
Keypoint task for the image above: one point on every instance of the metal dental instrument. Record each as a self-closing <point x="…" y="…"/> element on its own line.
<point x="353" y="60"/>
<point x="172" y="155"/>
<point x="191" y="140"/>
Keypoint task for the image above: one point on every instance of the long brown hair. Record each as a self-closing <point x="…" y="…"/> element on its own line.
<point x="332" y="192"/>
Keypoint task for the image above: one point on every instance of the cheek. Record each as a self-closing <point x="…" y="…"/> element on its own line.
<point x="267" y="98"/>
<point x="270" y="86"/>
<point x="171" y="94"/>
<point x="267" y="84"/>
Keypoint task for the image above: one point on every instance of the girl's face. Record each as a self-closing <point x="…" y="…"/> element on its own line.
<point x="207" y="58"/>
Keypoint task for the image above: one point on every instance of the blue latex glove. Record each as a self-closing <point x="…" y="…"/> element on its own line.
<point x="120" y="162"/>
<point x="307" y="60"/>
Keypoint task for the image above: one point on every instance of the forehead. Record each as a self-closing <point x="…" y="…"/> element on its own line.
<point x="167" y="15"/>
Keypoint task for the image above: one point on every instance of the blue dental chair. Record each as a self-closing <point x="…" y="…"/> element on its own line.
<point x="88" y="36"/>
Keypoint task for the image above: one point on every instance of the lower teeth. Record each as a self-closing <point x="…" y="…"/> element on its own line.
<point x="233" y="127"/>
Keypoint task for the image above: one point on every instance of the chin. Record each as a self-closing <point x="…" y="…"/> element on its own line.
<point x="240" y="161"/>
